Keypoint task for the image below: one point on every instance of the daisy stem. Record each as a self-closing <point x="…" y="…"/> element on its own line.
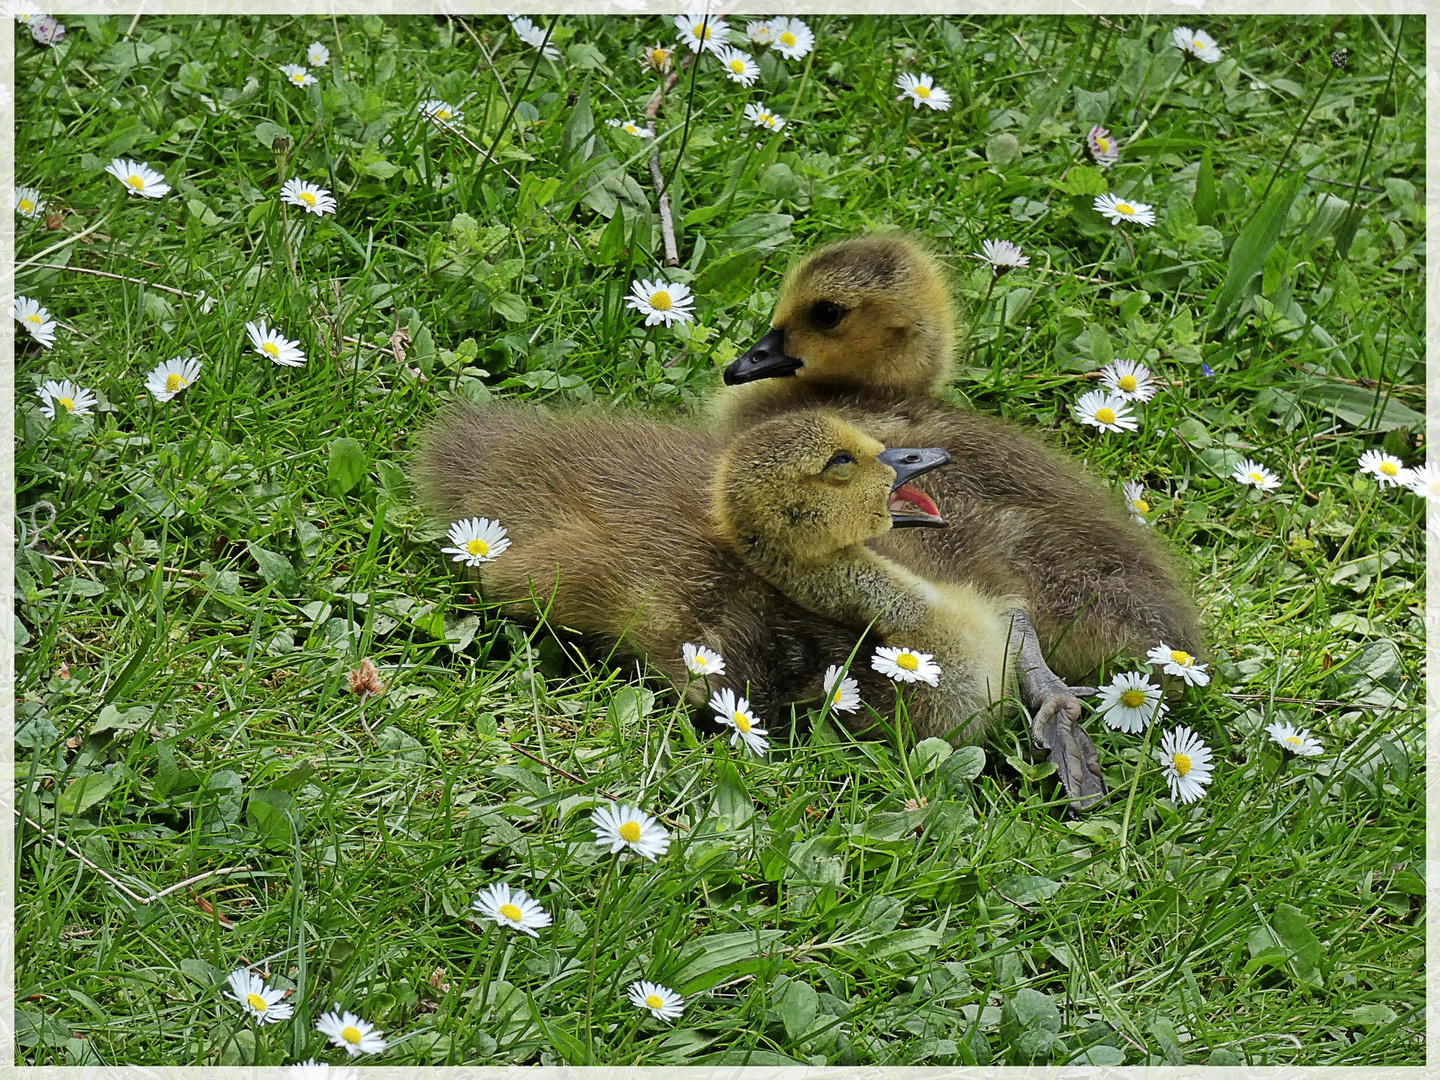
<point x="1135" y="780"/>
<point x="900" y="719"/>
<point x="594" y="950"/>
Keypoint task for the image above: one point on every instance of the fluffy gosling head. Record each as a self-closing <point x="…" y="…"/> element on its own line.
<point x="869" y="313"/>
<point x="809" y="485"/>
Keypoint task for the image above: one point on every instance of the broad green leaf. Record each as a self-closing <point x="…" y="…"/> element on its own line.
<point x="611" y="248"/>
<point x="1085" y="180"/>
<point x="1027" y="888"/>
<point x="713" y="958"/>
<point x="85" y="792"/>
<point x="267" y="133"/>
<point x="731" y="803"/>
<point x="274" y="568"/>
<point x="113" y="719"/>
<point x="1300" y="942"/>
<point x="267" y="812"/>
<point x="1357" y="406"/>
<point x="1029" y="1010"/>
<point x="577" y="140"/>
<point x="965" y="764"/>
<point x="798" y="1004"/>
<point x="1101" y="349"/>
<point x="929" y="755"/>
<point x="509" y="306"/>
<point x="348" y="463"/>
<point x="1376" y="1015"/>
<point x="628" y="707"/>
<point x="1251" y="248"/>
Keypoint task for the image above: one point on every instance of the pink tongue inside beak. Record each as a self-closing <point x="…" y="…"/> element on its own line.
<point x="908" y="496"/>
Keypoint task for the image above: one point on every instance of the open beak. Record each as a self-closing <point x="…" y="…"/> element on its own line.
<point x="909" y="506"/>
<point x="765" y="359"/>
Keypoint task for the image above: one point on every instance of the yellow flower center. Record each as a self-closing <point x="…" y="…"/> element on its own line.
<point x="1181" y="763"/>
<point x="510" y="911"/>
<point x="654" y="1001"/>
<point x="629" y="832"/>
<point x="1140" y="505"/>
<point x="660" y="300"/>
<point x="173" y="383"/>
<point x="34" y="317"/>
<point x="256" y="1002"/>
<point x="308" y="198"/>
<point x="1292" y="740"/>
<point x="351" y="1035"/>
<point x="702" y="31"/>
<point x="1105" y="416"/>
<point x="1124" y="208"/>
<point x="737" y="66"/>
<point x="135" y="182"/>
<point x="1254" y="477"/>
<point x="298" y="79"/>
<point x="1198" y="44"/>
<point x="659" y="56"/>
<point x="442" y="114"/>
<point x="270" y="349"/>
<point x="1132" y="698"/>
<point x="742" y="723"/>
<point x="908" y="661"/>
<point x="1181" y="657"/>
<point x="69" y="403"/>
<point x="922" y="91"/>
<point x="632" y="129"/>
<point x="1127" y="383"/>
<point x="699" y="661"/>
<point x="478" y="547"/>
<point x="787" y="39"/>
<point x="26" y="206"/>
<point x="1389" y="468"/>
<point x="1103" y="144"/>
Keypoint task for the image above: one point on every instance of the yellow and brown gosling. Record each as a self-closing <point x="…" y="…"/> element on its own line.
<point x="865" y="327"/>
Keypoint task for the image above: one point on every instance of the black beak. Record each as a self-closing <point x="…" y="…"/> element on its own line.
<point x="765" y="359"/>
<point x="910" y="507"/>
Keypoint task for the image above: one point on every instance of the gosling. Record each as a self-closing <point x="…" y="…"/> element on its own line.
<point x="658" y="534"/>
<point x="866" y="327"/>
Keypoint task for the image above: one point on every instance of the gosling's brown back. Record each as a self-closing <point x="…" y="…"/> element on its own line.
<point x="611" y="535"/>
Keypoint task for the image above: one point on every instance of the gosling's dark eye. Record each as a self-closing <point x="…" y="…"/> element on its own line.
<point x="842" y="458"/>
<point x="827" y="315"/>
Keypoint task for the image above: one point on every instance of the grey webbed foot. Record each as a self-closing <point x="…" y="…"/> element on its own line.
<point x="1055" y="718"/>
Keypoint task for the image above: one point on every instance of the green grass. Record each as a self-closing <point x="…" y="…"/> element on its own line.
<point x="182" y="703"/>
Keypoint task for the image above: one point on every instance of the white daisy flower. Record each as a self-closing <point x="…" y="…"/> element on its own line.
<point x="739" y="67"/>
<point x="735" y="713"/>
<point x="760" y="116"/>
<point x="533" y="35"/>
<point x="760" y="33"/>
<point x="317" y="55"/>
<point x="618" y="826"/>
<point x="34" y="318"/>
<point x="1129" y="380"/>
<point x="477" y="540"/>
<point x="317" y="200"/>
<point x="1002" y="255"/>
<point x="1387" y="469"/>
<point x="841" y="693"/>
<point x="1186" y="762"/>
<point x="1196" y="42"/>
<point x="662" y="1002"/>
<point x="348" y="1031"/>
<point x="264" y="1006"/>
<point x="47" y="30"/>
<point x="513" y="910"/>
<point x="661" y="301"/>
<point x="1297" y="741"/>
<point x="906" y="665"/>
<point x="25" y="11"/>
<point x="1118" y="210"/>
<point x="701" y="32"/>
<point x="921" y="89"/>
<point x="268" y="341"/>
<point x="1255" y="474"/>
<point x="296" y="75"/>
<point x="435" y="109"/>
<point x="1424" y="481"/>
<point x="28" y="202"/>
<point x="1129" y="702"/>
<point x="173" y="376"/>
<point x="1135" y="500"/>
<point x="702" y="661"/>
<point x="1105" y="411"/>
<point x="791" y="38"/>
<point x="632" y="128"/>
<point x="138" y="178"/>
<point x="657" y="58"/>
<point x="75" y="400"/>
<point x="1104" y="149"/>
<point x="1178" y="662"/>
